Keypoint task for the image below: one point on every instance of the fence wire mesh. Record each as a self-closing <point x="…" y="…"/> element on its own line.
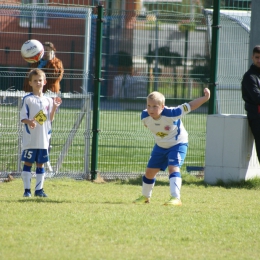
<point x="232" y="62"/>
<point x="142" y="52"/>
<point x="162" y="46"/>
<point x="76" y="3"/>
<point x="68" y="29"/>
<point x="70" y="142"/>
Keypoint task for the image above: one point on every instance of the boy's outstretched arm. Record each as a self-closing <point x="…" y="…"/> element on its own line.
<point x="194" y="104"/>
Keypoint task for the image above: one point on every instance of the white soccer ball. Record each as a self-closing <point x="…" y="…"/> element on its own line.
<point x="32" y="51"/>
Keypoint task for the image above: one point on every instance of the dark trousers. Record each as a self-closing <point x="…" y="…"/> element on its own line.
<point x="255" y="129"/>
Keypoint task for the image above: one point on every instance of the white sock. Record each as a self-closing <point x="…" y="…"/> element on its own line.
<point x="175" y="185"/>
<point x="26" y="176"/>
<point x="147" y="187"/>
<point x="39" y="181"/>
<point x="40" y="173"/>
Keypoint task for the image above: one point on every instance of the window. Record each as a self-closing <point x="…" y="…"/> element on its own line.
<point x="32" y="15"/>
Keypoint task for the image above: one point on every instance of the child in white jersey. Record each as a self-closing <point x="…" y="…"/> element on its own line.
<point x="36" y="114"/>
<point x="171" y="143"/>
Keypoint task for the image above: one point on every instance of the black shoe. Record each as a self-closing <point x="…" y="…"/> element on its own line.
<point x="27" y="193"/>
<point x="40" y="193"/>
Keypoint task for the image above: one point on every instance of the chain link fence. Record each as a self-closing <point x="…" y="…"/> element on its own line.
<point x="164" y="47"/>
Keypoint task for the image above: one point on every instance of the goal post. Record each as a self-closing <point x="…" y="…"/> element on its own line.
<point x="85" y="111"/>
<point x="68" y="127"/>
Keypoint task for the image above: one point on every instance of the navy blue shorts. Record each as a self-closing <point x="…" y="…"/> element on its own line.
<point x="163" y="157"/>
<point x="35" y="155"/>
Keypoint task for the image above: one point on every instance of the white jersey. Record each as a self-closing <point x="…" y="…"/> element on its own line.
<point x="168" y="130"/>
<point x="38" y="108"/>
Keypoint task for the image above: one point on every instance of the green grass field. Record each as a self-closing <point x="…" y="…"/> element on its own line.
<point x="86" y="220"/>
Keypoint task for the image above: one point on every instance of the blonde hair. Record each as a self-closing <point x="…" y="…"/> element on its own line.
<point x="157" y="96"/>
<point x="36" y="72"/>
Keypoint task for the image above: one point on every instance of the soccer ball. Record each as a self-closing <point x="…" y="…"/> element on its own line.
<point x="32" y="51"/>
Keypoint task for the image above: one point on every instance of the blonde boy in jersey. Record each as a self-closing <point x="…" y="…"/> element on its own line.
<point x="171" y="143"/>
<point x="36" y="114"/>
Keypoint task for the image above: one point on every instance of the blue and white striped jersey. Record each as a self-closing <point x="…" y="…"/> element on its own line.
<point x="168" y="130"/>
<point x="38" y="108"/>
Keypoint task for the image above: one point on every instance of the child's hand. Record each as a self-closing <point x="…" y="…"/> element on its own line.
<point x="207" y="93"/>
<point x="32" y="123"/>
<point x="57" y="101"/>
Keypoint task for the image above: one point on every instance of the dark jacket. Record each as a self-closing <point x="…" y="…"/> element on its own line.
<point x="251" y="91"/>
<point x="54" y="73"/>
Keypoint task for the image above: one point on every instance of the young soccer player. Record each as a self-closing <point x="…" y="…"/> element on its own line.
<point x="36" y="114"/>
<point x="171" y="143"/>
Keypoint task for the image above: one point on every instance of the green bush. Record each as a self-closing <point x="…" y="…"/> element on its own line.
<point x="187" y="25"/>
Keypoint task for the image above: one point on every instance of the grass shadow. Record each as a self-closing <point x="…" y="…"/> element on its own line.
<point x="189" y="180"/>
<point x="42" y="200"/>
<point x="251" y="184"/>
<point x="164" y="181"/>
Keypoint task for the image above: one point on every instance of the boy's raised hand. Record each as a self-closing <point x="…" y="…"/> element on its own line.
<point x="57" y="101"/>
<point x="207" y="93"/>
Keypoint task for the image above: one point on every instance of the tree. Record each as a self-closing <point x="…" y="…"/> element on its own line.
<point x="121" y="59"/>
<point x="166" y="58"/>
<point x="201" y="68"/>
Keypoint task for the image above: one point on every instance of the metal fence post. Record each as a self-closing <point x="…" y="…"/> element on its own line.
<point x="96" y="99"/>
<point x="214" y="56"/>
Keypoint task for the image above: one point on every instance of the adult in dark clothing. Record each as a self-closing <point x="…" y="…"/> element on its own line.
<point x="251" y="96"/>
